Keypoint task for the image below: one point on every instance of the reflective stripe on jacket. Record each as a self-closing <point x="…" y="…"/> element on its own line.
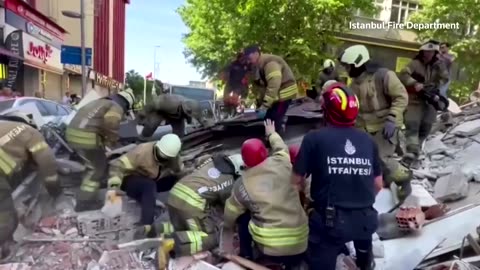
<point x="278" y="225"/>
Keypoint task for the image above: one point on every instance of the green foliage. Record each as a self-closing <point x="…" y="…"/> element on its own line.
<point x="298" y="30"/>
<point x="136" y="82"/>
<point x="465" y="40"/>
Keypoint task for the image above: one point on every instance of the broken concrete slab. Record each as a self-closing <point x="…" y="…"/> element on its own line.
<point x="15" y="266"/>
<point x="467" y="129"/>
<point x="435" y="145"/>
<point x="451" y="187"/>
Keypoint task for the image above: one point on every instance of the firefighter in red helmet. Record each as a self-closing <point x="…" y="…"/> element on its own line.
<point x="265" y="205"/>
<point x="345" y="172"/>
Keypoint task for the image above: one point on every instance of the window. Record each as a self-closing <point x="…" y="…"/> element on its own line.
<point x="402" y="9"/>
<point x="193" y="93"/>
<point x="54" y="109"/>
<point x="6" y="104"/>
<point x="43" y="111"/>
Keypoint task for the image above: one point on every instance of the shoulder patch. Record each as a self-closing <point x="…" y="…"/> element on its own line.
<point x="214" y="173"/>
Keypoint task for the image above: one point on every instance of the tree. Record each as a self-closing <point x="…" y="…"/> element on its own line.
<point x="465" y="39"/>
<point x="136" y="82"/>
<point x="298" y="30"/>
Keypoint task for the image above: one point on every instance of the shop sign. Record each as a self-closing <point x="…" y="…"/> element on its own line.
<point x="42" y="52"/>
<point x="37" y="31"/>
<point x="14" y="43"/>
<point x="106" y="81"/>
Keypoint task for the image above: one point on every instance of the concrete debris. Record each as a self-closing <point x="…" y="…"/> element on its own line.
<point x="467" y="129"/>
<point x="451" y="187"/>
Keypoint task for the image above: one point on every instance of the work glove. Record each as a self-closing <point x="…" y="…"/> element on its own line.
<point x="145" y="231"/>
<point x="114" y="183"/>
<point x="389" y="129"/>
<point x="53" y="188"/>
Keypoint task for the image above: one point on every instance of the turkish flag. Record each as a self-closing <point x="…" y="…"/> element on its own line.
<point x="149" y="76"/>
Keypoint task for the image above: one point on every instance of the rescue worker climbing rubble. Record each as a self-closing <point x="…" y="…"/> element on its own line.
<point x="278" y="224"/>
<point x="145" y="170"/>
<point x="174" y="110"/>
<point x="23" y="150"/>
<point x="425" y="73"/>
<point x="345" y="176"/>
<point x="383" y="100"/>
<point x="277" y="85"/>
<point x="192" y="200"/>
<point x="94" y="127"/>
<point x="327" y="74"/>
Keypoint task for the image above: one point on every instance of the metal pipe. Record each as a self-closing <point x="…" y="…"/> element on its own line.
<point x="82" y="44"/>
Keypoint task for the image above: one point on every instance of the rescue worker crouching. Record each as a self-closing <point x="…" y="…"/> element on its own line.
<point x="174" y="109"/>
<point x="383" y="100"/>
<point x="345" y="172"/>
<point x="426" y="70"/>
<point x="145" y="170"/>
<point x="277" y="85"/>
<point x="22" y="147"/>
<point x="327" y="74"/>
<point x="94" y="127"/>
<point x="191" y="201"/>
<point x="276" y="220"/>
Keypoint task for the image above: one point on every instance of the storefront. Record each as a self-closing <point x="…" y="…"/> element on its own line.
<point x="38" y="40"/>
<point x="104" y="85"/>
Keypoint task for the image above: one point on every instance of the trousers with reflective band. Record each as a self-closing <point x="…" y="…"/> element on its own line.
<point x="7" y="163"/>
<point x="82" y="139"/>
<point x="192" y="242"/>
<point x="280" y="241"/>
<point x="188" y="195"/>
<point x="93" y="178"/>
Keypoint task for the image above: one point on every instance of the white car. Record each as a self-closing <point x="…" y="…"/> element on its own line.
<point x="51" y="111"/>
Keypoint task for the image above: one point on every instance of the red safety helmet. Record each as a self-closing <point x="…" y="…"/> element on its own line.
<point x="254" y="152"/>
<point x="340" y="105"/>
<point x="293" y="150"/>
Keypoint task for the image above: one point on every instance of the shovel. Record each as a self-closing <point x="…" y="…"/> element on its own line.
<point x="113" y="204"/>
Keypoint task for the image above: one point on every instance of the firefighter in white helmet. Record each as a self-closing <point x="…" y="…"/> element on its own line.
<point x="328" y="73"/>
<point x="145" y="170"/>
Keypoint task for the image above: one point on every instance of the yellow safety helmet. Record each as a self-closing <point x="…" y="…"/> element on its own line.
<point x="23" y="117"/>
<point x="128" y="95"/>
<point x="356" y="55"/>
<point x="168" y="146"/>
<point x="328" y="64"/>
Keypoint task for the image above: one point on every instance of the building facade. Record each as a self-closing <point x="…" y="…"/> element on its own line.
<point x="105" y="34"/>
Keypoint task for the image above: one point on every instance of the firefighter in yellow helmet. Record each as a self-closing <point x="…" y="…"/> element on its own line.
<point x="21" y="147"/>
<point x="94" y="127"/>
<point x="383" y="100"/>
<point x="191" y="202"/>
<point x="266" y="202"/>
<point x="145" y="170"/>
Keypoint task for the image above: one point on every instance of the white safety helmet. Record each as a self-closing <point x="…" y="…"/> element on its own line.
<point x="169" y="145"/>
<point x="327" y="84"/>
<point x="328" y="64"/>
<point x="356" y="55"/>
<point x="430" y="46"/>
<point x="27" y="118"/>
<point x="238" y="163"/>
<point x="128" y="95"/>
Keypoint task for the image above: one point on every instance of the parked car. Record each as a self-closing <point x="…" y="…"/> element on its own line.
<point x="51" y="111"/>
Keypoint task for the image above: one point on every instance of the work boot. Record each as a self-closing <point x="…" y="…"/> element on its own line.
<point x="163" y="254"/>
<point x="409" y="159"/>
<point x="145" y="231"/>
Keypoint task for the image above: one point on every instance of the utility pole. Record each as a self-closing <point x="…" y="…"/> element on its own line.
<point x="82" y="45"/>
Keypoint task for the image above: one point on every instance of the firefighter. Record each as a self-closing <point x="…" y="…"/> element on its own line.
<point x="94" y="127"/>
<point x="191" y="200"/>
<point x="145" y="170"/>
<point x="278" y="224"/>
<point x="23" y="150"/>
<point x="276" y="83"/>
<point x="346" y="174"/>
<point x="425" y="70"/>
<point x="328" y="73"/>
<point x="383" y="100"/>
<point x="235" y="77"/>
<point x="174" y="110"/>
